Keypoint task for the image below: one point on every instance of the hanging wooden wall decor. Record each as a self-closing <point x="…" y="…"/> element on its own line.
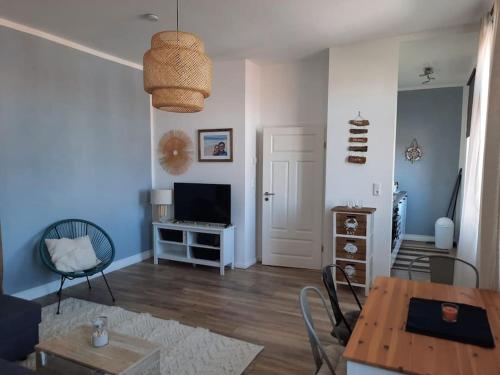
<point x="356" y="159"/>
<point x="360" y="147"/>
<point x="358" y="131"/>
<point x="358" y="139"/>
<point x="359" y="121"/>
<point x="175" y="151"/>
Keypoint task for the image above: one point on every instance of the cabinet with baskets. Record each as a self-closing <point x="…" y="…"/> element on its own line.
<point x="352" y="245"/>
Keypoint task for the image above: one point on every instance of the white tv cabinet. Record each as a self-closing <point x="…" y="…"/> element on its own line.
<point x="180" y="242"/>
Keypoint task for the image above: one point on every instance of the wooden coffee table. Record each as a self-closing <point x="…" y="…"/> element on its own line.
<point x="73" y="353"/>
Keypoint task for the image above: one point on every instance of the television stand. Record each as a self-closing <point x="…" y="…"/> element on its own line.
<point x="196" y="243"/>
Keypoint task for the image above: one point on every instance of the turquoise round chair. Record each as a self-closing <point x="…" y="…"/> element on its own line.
<point x="74" y="228"/>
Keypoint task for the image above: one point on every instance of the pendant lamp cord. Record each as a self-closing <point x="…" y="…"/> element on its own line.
<point x="177" y="20"/>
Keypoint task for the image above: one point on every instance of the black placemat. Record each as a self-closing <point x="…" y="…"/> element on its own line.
<point x="472" y="326"/>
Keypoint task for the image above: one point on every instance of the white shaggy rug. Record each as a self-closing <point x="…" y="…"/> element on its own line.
<point x="184" y="350"/>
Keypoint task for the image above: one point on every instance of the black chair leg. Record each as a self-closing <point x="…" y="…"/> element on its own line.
<point x="88" y="282"/>
<point x="59" y="293"/>
<point x="109" y="289"/>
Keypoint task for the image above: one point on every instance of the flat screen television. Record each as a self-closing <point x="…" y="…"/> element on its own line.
<point x="207" y="203"/>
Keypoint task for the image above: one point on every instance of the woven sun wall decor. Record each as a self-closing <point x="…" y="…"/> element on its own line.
<point x="177" y="73"/>
<point x="175" y="151"/>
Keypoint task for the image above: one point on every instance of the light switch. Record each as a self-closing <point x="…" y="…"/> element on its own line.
<point x="376" y="189"/>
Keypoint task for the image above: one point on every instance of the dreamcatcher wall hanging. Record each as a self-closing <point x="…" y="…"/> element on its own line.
<point x="414" y="152"/>
<point x="175" y="151"/>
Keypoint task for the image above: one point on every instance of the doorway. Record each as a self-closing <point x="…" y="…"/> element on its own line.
<point x="430" y="148"/>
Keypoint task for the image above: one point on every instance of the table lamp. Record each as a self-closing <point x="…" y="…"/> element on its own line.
<point x="161" y="198"/>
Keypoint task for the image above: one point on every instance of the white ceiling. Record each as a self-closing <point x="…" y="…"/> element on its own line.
<point x="258" y="29"/>
<point x="451" y="55"/>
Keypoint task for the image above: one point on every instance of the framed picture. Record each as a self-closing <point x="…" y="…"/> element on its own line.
<point x="215" y="145"/>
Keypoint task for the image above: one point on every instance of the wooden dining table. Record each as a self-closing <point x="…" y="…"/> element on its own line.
<point x="380" y="344"/>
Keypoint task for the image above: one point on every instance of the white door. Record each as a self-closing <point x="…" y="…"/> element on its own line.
<point x="292" y="202"/>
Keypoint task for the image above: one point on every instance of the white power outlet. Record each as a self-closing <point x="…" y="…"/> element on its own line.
<point x="376" y="189"/>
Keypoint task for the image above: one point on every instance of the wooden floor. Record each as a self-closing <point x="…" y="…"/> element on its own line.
<point x="259" y="305"/>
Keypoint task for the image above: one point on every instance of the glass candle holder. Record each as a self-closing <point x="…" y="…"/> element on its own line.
<point x="100" y="332"/>
<point x="449" y="312"/>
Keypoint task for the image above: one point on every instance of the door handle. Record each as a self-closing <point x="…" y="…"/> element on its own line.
<point x="267" y="195"/>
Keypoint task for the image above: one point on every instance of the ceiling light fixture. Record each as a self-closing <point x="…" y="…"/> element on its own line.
<point x="151" y="17"/>
<point x="177" y="72"/>
<point x="428" y="72"/>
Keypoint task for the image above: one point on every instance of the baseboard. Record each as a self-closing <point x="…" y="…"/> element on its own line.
<point x="418" y="237"/>
<point x="53" y="286"/>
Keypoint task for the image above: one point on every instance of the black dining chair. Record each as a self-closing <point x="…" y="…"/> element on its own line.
<point x="344" y="322"/>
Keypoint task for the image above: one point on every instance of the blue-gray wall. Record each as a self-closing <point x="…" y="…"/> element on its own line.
<point x="74" y="142"/>
<point x="433" y="117"/>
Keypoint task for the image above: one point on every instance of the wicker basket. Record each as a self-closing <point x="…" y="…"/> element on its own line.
<point x="177" y="72"/>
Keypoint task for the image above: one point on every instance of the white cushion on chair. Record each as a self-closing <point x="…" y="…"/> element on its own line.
<point x="72" y="255"/>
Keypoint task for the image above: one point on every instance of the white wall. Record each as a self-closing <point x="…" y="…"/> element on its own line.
<point x="252" y="120"/>
<point x="294" y="93"/>
<point x="224" y="109"/>
<point x="363" y="77"/>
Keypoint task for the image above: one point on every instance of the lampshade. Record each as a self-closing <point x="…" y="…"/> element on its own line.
<point x="161" y="196"/>
<point x="177" y="73"/>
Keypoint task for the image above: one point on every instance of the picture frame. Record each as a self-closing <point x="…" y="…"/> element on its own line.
<point x="215" y="145"/>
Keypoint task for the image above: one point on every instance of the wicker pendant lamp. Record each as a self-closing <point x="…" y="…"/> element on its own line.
<point x="177" y="73"/>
